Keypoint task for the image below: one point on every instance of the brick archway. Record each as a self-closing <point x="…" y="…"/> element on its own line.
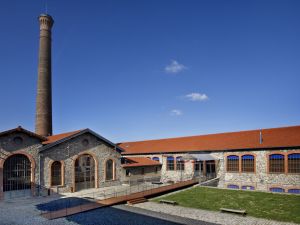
<point x="32" y="174"/>
<point x="74" y="172"/>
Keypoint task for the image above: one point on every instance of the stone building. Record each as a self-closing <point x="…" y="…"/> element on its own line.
<point x="66" y="162"/>
<point x="266" y="160"/>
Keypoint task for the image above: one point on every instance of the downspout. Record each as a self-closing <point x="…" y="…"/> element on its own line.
<point x="39" y="174"/>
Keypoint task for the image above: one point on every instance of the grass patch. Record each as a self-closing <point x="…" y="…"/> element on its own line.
<point x="272" y="206"/>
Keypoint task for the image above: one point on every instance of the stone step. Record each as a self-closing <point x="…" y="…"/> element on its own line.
<point x="136" y="201"/>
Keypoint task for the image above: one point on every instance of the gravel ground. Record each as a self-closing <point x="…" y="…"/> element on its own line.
<point x="209" y="216"/>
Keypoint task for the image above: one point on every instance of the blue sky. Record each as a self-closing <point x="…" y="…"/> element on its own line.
<point x="133" y="70"/>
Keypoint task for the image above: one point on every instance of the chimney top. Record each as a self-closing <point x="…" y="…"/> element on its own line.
<point x="46" y="21"/>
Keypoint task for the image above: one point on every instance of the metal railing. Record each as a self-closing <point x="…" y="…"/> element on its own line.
<point x="67" y="205"/>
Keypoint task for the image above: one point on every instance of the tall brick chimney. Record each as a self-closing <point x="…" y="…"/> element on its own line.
<point x="43" y="117"/>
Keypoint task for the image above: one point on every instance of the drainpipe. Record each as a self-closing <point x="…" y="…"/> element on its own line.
<point x="39" y="174"/>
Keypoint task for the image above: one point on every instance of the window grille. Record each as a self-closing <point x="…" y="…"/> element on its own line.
<point x="233" y="186"/>
<point x="179" y="163"/>
<point x="56" y="173"/>
<point x="248" y="163"/>
<point x="232" y="163"/>
<point x="84" y="172"/>
<point x="276" y="163"/>
<point x="155" y="159"/>
<point x="276" y="189"/>
<point x="294" y="163"/>
<point x="248" y="187"/>
<point x="170" y="163"/>
<point x="16" y="173"/>
<point x="294" y="191"/>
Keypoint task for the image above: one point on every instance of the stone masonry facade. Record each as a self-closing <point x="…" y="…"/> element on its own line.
<point x="67" y="153"/>
<point x="29" y="147"/>
<point x="261" y="179"/>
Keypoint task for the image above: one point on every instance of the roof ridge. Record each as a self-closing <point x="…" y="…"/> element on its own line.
<point x="68" y="132"/>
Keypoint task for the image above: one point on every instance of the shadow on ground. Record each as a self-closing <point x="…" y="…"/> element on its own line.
<point x="62" y="203"/>
<point x="114" y="216"/>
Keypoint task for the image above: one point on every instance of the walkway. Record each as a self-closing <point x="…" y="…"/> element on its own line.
<point x="91" y="200"/>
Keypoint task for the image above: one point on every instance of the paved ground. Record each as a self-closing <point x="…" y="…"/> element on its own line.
<point x="26" y="212"/>
<point x="208" y="216"/>
<point x="122" y="215"/>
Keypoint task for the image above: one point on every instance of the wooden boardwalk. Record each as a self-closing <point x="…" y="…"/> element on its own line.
<point x="115" y="200"/>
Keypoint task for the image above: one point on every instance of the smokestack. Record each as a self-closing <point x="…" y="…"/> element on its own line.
<point x="43" y="117"/>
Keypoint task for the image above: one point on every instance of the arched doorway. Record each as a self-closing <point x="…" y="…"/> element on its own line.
<point x="84" y="172"/>
<point x="17" y="176"/>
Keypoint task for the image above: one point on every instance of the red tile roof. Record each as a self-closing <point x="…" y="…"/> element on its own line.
<point x="140" y="161"/>
<point x="271" y="138"/>
<point x="58" y="137"/>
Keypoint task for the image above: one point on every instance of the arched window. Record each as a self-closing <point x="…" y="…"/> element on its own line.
<point x="248" y="187"/>
<point x="294" y="191"/>
<point x="170" y="163"/>
<point x="232" y="163"/>
<point x="248" y="163"/>
<point x="85" y="172"/>
<point x="233" y="186"/>
<point x="276" y="163"/>
<point x="276" y="189"/>
<point x="16" y="173"/>
<point x="155" y="159"/>
<point x="294" y="163"/>
<point x="179" y="163"/>
<point x="109" y="170"/>
<point x="56" y="173"/>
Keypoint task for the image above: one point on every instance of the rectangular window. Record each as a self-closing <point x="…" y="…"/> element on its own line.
<point x="198" y="166"/>
<point x="232" y="163"/>
<point x="276" y="163"/>
<point x="248" y="163"/>
<point x="142" y="171"/>
<point x="294" y="163"/>
<point x="170" y="163"/>
<point x="127" y="173"/>
<point x="179" y="163"/>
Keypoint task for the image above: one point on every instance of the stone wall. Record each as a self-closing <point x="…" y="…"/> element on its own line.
<point x="260" y="179"/>
<point x="28" y="146"/>
<point x="68" y="151"/>
<point x="172" y="175"/>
